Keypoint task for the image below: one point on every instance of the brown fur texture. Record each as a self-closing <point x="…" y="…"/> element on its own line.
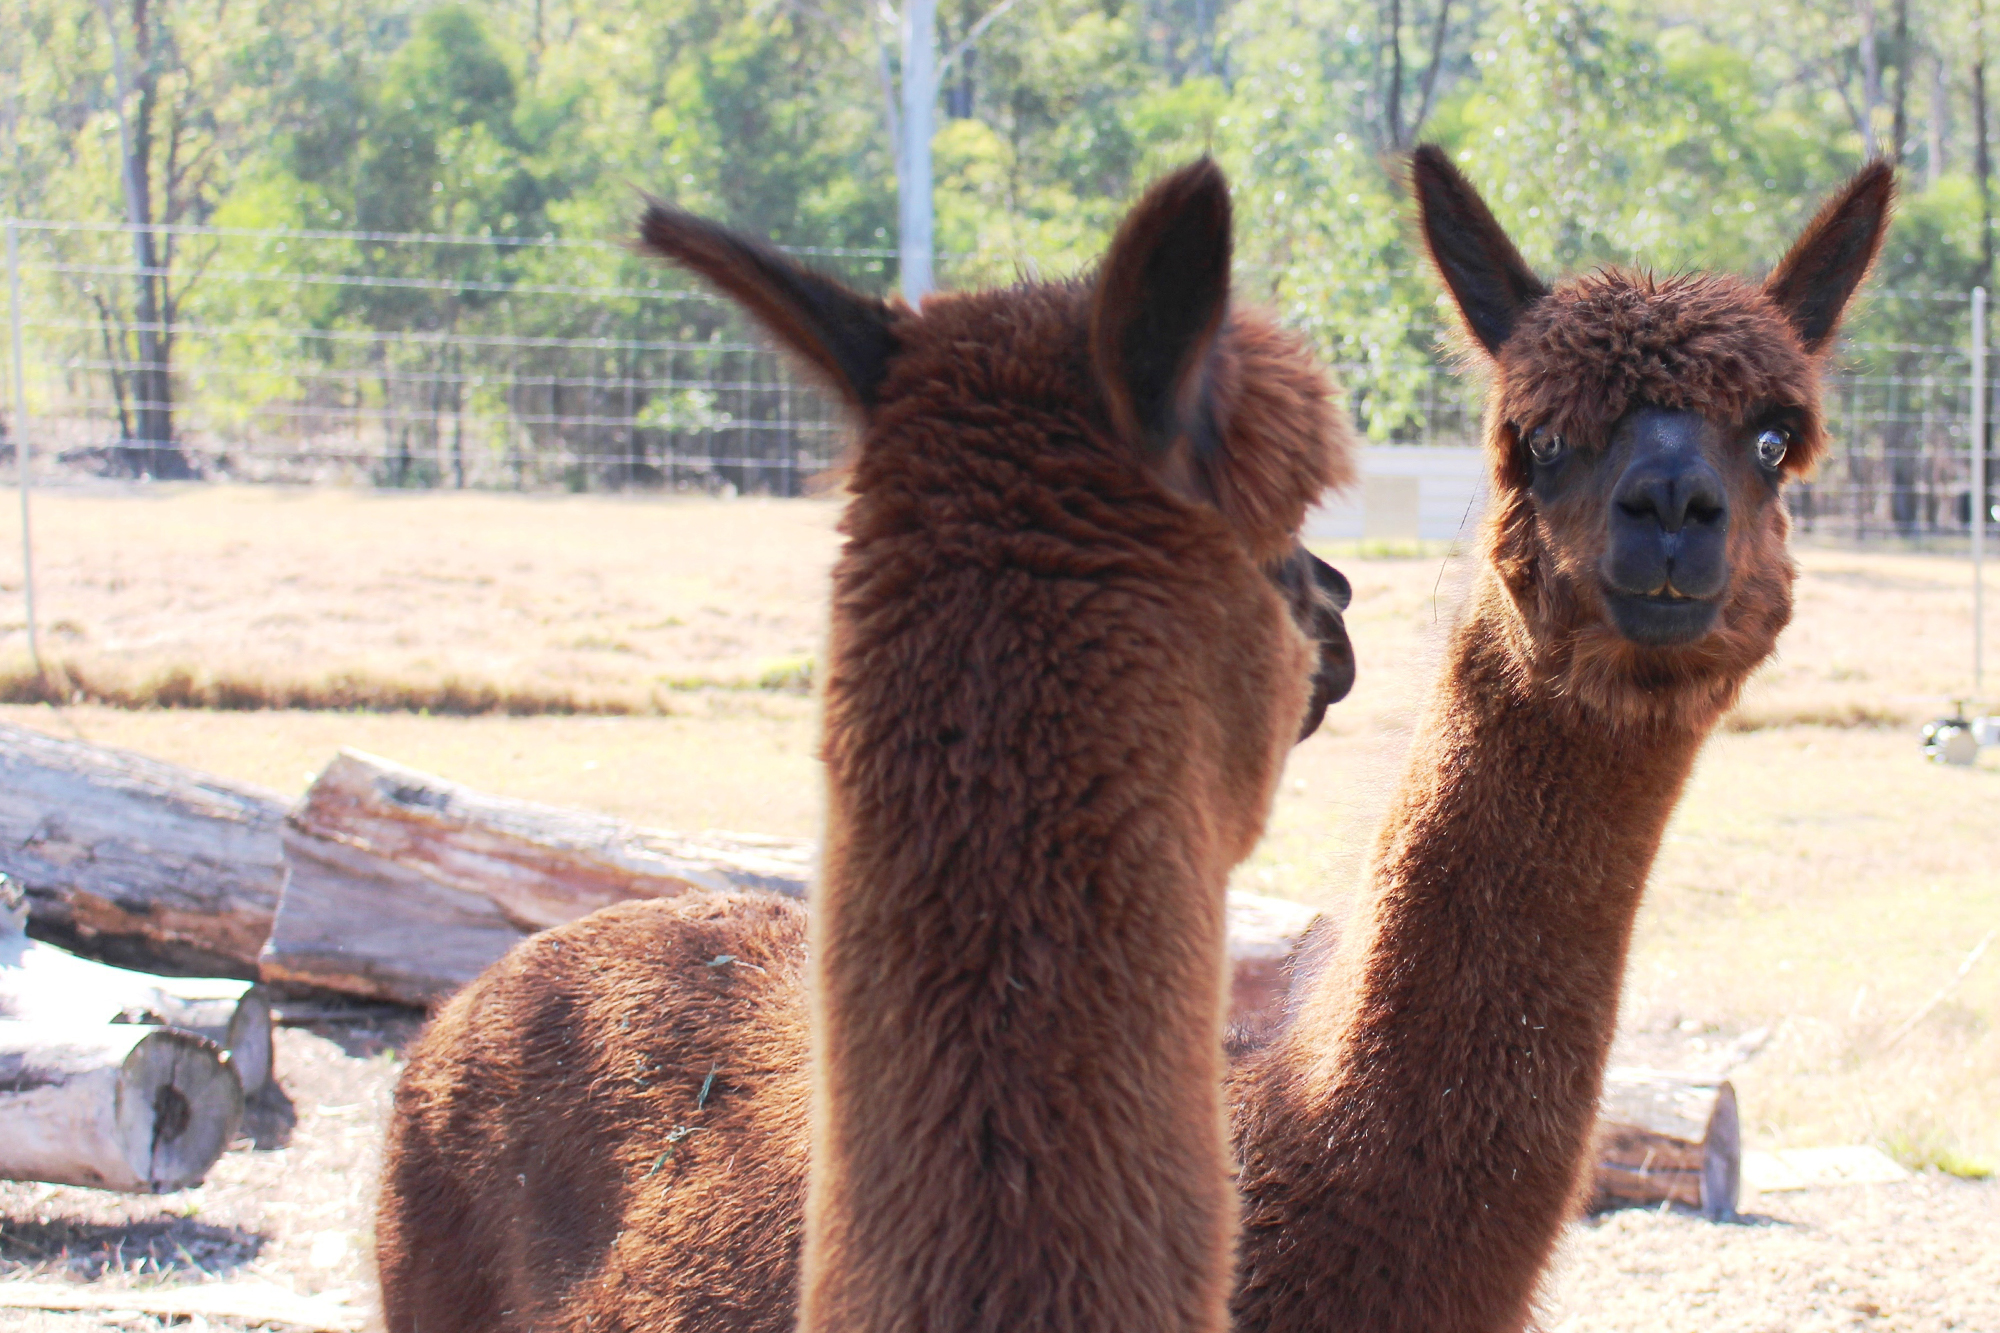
<point x="1064" y="667"/>
<point x="1412" y="1144"/>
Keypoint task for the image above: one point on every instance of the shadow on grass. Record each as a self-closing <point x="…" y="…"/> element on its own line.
<point x="86" y="1251"/>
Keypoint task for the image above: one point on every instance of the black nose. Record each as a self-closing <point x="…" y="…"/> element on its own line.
<point x="1669" y="514"/>
<point x="1332" y="582"/>
<point x="1672" y="491"/>
<point x="1334" y="676"/>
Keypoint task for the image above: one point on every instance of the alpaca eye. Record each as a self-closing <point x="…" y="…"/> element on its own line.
<point x="1544" y="445"/>
<point x="1771" y="447"/>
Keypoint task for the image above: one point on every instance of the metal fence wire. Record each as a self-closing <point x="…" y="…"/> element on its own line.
<point x="540" y="363"/>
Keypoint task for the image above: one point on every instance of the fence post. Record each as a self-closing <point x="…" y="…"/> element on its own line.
<point x="21" y="448"/>
<point x="1978" y="487"/>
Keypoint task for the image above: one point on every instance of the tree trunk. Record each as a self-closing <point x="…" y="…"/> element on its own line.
<point x="40" y="981"/>
<point x="913" y="153"/>
<point x="145" y="1110"/>
<point x="153" y="453"/>
<point x="1394" y="117"/>
<point x="1982" y="162"/>
<point x="1871" y="79"/>
<point x="1899" y="122"/>
<point x="1661" y="1137"/>
<point x="139" y="862"/>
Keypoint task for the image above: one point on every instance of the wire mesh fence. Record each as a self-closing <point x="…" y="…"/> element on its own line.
<point x="541" y="363"/>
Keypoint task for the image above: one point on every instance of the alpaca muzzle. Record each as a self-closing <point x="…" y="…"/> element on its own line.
<point x="1665" y="564"/>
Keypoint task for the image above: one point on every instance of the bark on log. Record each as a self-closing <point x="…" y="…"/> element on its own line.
<point x="1665" y="1137"/>
<point x="541" y="865"/>
<point x="405" y="886"/>
<point x="115" y="1106"/>
<point x="40" y="981"/>
<point x="138" y="861"/>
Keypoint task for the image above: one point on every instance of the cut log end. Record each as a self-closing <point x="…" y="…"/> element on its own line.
<point x="179" y="1106"/>
<point x="143" y="1110"/>
<point x="1663" y="1138"/>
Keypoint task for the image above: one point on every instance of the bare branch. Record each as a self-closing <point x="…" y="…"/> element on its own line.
<point x="978" y="30"/>
<point x="1431" y="71"/>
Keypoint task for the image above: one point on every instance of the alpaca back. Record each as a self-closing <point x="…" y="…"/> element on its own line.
<point x="607" y="1130"/>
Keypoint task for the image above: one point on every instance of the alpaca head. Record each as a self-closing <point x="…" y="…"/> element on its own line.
<point x="1214" y="406"/>
<point x="1641" y="431"/>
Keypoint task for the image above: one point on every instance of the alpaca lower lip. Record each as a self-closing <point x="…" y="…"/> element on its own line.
<point x="1660" y="619"/>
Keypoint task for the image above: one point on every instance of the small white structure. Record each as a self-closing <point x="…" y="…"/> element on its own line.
<point x="1407" y="493"/>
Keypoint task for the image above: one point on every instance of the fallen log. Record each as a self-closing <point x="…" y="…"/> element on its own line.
<point x="144" y="1110"/>
<point x="1664" y="1137"/>
<point x="541" y="865"/>
<point x="136" y="861"/>
<point x="40" y="981"/>
<point x="404" y="886"/>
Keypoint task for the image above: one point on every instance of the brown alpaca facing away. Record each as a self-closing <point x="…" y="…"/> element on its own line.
<point x="1414" y="1141"/>
<point x="1065" y="665"/>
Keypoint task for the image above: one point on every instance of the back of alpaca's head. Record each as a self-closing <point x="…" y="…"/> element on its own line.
<point x="1137" y="388"/>
<point x="1071" y="644"/>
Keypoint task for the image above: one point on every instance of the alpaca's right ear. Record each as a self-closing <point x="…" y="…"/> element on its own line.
<point x="847" y="336"/>
<point x="1159" y="305"/>
<point x="1486" y="274"/>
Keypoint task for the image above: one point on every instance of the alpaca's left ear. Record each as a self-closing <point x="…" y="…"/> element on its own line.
<point x="1159" y="305"/>
<point x="847" y="336"/>
<point x="1816" y="280"/>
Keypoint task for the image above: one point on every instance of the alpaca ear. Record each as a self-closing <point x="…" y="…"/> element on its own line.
<point x="1159" y="305"/>
<point x="1485" y="273"/>
<point x="847" y="336"/>
<point x="1814" y="282"/>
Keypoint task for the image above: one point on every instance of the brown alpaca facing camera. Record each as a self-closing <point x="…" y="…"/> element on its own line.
<point x="1414" y="1141"/>
<point x="1065" y="665"/>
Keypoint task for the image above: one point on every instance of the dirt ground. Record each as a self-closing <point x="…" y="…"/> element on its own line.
<point x="293" y="1209"/>
<point x="1820" y="882"/>
<point x="633" y="601"/>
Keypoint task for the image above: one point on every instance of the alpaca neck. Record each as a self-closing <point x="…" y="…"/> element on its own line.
<point x="1411" y="1146"/>
<point x="1018" y="936"/>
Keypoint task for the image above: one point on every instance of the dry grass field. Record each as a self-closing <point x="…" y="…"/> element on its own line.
<point x="1820" y="880"/>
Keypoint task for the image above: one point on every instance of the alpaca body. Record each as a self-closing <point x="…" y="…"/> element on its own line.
<point x="1069" y="650"/>
<point x="1414" y="1141"/>
<point x="526" y="1197"/>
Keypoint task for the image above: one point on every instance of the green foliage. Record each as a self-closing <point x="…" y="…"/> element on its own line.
<point x="1603" y="132"/>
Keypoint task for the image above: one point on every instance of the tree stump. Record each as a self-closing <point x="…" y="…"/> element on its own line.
<point x="1664" y="1137"/>
<point x="144" y="1110"/>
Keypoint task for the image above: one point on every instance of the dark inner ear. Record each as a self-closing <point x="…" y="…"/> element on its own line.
<point x="1481" y="266"/>
<point x="1159" y="303"/>
<point x="845" y="335"/>
<point x="1817" y="278"/>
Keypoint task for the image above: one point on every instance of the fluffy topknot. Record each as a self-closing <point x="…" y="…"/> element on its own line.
<point x="1601" y="344"/>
